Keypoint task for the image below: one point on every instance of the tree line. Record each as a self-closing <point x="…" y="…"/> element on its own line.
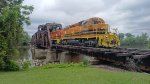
<point x="133" y="41"/>
<point x="13" y="15"/>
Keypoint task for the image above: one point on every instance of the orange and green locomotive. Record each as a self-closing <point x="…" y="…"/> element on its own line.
<point x="93" y="32"/>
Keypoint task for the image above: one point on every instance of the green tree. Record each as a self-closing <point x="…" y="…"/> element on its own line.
<point x="149" y="43"/>
<point x="24" y="41"/>
<point x="128" y="35"/>
<point x="139" y="41"/>
<point x="121" y="36"/>
<point x="12" y="17"/>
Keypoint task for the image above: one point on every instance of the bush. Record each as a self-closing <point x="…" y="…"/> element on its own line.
<point x="26" y="65"/>
<point x="1" y="64"/>
<point x="11" y="66"/>
<point x="85" y="62"/>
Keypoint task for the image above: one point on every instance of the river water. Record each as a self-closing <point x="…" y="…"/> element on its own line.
<point x="25" y="54"/>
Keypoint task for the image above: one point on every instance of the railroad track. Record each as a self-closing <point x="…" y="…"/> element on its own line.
<point x="131" y="58"/>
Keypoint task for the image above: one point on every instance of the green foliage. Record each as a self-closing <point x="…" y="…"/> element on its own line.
<point x="121" y="36"/>
<point x="128" y="35"/>
<point x="26" y="65"/>
<point x="14" y="53"/>
<point x="149" y="43"/>
<point x="13" y="14"/>
<point x="11" y="66"/>
<point x="3" y="47"/>
<point x="85" y="62"/>
<point x="1" y="64"/>
<point x="8" y="65"/>
<point x="130" y="40"/>
<point x="24" y="41"/>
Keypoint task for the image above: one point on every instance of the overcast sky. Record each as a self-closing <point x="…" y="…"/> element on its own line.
<point x="131" y="16"/>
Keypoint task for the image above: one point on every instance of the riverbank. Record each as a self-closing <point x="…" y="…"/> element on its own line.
<point x="72" y="74"/>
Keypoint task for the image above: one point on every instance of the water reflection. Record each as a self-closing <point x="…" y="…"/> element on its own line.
<point x="24" y="54"/>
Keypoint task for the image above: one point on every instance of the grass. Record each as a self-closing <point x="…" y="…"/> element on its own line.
<point x="72" y="74"/>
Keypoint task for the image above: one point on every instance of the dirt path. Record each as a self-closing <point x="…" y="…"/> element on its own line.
<point x="109" y="68"/>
